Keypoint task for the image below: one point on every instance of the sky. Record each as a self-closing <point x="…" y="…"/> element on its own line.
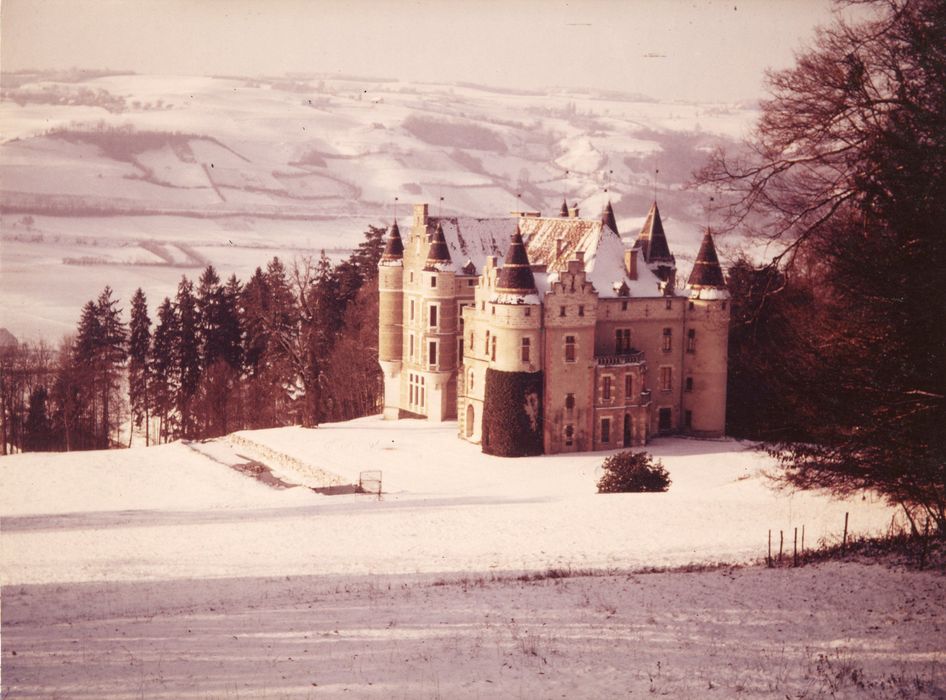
<point x="669" y="49"/>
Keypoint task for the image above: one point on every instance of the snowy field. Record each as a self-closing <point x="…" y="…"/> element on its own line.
<point x="167" y="572"/>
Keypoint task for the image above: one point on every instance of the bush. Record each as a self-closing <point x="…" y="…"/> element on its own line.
<point x="632" y="472"/>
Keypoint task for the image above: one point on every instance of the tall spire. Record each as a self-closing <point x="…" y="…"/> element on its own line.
<point x="563" y="212"/>
<point x="438" y="253"/>
<point x="607" y="217"/>
<point x="706" y="269"/>
<point x="652" y="239"/>
<point x="515" y="276"/>
<point x="393" y="246"/>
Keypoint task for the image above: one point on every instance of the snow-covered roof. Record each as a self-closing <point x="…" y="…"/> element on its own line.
<point x="550" y="241"/>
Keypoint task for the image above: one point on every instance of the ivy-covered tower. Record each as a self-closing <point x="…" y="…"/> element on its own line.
<point x="706" y="344"/>
<point x="391" y="319"/>
<point x="513" y="386"/>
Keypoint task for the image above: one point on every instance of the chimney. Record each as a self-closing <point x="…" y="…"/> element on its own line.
<point x="580" y="257"/>
<point x="559" y="245"/>
<point x="630" y="262"/>
<point x="420" y="215"/>
<point x="573" y="212"/>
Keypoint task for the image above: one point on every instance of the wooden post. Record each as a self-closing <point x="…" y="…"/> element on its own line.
<point x="781" y="544"/>
<point x="768" y="559"/>
<point x="803" y="540"/>
<point x="844" y="537"/>
<point x="795" y="552"/>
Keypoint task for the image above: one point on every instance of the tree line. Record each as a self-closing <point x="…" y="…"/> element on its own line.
<point x="294" y="344"/>
<point x="838" y="346"/>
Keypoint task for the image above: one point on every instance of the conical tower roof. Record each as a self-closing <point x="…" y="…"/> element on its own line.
<point x="706" y="269"/>
<point x="438" y="253"/>
<point x="652" y="239"/>
<point x="563" y="212"/>
<point x="393" y="246"/>
<point x="607" y="217"/>
<point x="515" y="276"/>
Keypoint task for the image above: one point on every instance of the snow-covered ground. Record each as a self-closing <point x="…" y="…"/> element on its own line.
<point x="166" y="572"/>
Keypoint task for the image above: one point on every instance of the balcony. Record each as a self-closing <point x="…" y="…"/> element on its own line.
<point x="625" y="358"/>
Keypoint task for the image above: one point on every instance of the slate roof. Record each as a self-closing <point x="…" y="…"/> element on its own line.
<point x="438" y="255"/>
<point x="393" y="246"/>
<point x="515" y="276"/>
<point x="706" y="270"/>
<point x="652" y="239"/>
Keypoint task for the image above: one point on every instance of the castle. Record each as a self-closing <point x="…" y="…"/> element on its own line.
<point x="575" y="342"/>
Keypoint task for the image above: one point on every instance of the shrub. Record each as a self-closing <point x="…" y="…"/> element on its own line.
<point x="632" y="472"/>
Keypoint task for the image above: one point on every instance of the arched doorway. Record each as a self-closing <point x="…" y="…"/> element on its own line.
<point x="469" y="420"/>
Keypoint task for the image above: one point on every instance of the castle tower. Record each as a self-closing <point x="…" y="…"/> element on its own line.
<point x="513" y="386"/>
<point x="391" y="319"/>
<point x="706" y="343"/>
<point x="656" y="251"/>
<point x="436" y="351"/>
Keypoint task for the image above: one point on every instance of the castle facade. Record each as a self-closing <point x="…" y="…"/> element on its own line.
<point x="573" y="342"/>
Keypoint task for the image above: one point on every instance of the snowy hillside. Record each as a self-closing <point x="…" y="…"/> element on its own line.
<point x="108" y="176"/>
<point x="174" y="572"/>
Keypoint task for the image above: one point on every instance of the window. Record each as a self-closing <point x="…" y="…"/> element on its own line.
<point x="668" y="340"/>
<point x="688" y="420"/>
<point x="569" y="402"/>
<point x="433" y="281"/>
<point x="492" y="354"/>
<point x="622" y="340"/>
<point x="561" y="310"/>
<point x="471" y="339"/>
<point x="606" y="388"/>
<point x="605" y="430"/>
<point x="410" y="354"/>
<point x="412" y="277"/>
<point x="416" y="392"/>
<point x="666" y="378"/>
<point x="433" y="316"/>
<point x="470" y="388"/>
<point x="569" y="348"/>
<point x="691" y="340"/>
<point x="623" y="306"/>
<point x="471" y="283"/>
<point x="629" y="386"/>
<point x="460" y="350"/>
<point x="668" y="303"/>
<point x="526" y="343"/>
<point x="569" y="435"/>
<point x="724" y="305"/>
<point x="528" y="311"/>
<point x="689" y="384"/>
<point x="432" y="352"/>
<point x="412" y="309"/>
<point x="486" y="347"/>
<point x="692" y="306"/>
<point x="581" y="310"/>
<point x="493" y="310"/>
<point x="482" y="306"/>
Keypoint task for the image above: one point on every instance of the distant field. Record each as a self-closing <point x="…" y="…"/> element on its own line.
<point x="103" y="178"/>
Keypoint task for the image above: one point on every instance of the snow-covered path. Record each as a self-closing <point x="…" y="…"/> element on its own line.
<point x="835" y="630"/>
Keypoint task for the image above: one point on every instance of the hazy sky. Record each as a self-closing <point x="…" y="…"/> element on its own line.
<point x="671" y="49"/>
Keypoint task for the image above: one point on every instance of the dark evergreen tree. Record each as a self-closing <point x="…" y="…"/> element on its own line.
<point x="139" y="353"/>
<point x="38" y="430"/>
<point x="165" y="373"/>
<point x="187" y="356"/>
<point x="112" y="353"/>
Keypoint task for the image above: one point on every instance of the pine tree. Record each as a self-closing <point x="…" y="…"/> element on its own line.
<point x="112" y="354"/>
<point x="164" y="375"/>
<point x="38" y="429"/>
<point x="187" y="355"/>
<point x="139" y="352"/>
